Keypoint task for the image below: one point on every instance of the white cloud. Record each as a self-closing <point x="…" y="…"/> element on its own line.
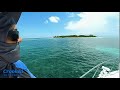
<point x="54" y="19"/>
<point x="94" y="22"/>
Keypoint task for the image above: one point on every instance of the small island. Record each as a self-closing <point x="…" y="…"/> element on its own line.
<point x="67" y="36"/>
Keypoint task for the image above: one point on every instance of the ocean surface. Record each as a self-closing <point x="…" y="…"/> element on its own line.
<point x="69" y="57"/>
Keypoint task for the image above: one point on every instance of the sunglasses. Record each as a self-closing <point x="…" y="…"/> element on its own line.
<point x="15" y="30"/>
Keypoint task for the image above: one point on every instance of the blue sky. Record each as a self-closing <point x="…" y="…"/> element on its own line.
<point x="49" y="24"/>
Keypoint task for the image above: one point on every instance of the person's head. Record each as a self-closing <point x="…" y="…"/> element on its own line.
<point x="13" y="35"/>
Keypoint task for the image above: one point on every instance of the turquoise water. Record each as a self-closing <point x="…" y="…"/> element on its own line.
<point x="68" y="57"/>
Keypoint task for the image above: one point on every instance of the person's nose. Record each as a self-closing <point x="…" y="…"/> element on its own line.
<point x="20" y="39"/>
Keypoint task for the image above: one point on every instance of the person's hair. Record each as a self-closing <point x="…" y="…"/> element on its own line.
<point x="13" y="35"/>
